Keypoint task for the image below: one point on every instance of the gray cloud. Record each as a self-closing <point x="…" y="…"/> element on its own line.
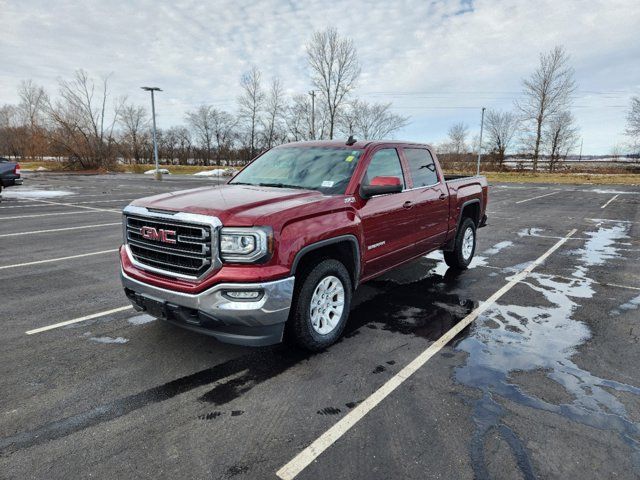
<point x="425" y="57"/>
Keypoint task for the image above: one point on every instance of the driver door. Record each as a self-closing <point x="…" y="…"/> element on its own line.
<point x="387" y="220"/>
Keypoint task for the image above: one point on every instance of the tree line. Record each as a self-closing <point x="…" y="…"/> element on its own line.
<point x="85" y="128"/>
<point x="88" y="130"/>
<point x="541" y="124"/>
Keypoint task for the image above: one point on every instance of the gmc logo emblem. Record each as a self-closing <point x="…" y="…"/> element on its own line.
<point x="158" y="235"/>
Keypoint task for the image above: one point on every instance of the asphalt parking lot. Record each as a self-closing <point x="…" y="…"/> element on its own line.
<point x="543" y="383"/>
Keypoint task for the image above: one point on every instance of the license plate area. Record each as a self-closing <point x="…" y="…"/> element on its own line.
<point x="153" y="307"/>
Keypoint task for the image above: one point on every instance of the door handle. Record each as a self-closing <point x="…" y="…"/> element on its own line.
<point x="442" y="196"/>
<point x="407" y="204"/>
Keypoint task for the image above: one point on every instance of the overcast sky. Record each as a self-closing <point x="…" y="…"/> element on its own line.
<point x="437" y="62"/>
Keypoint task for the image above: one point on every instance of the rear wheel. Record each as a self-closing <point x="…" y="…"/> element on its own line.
<point x="464" y="246"/>
<point x="321" y="305"/>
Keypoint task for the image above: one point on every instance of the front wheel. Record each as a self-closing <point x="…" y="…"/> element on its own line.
<point x="321" y="305"/>
<point x="464" y="246"/>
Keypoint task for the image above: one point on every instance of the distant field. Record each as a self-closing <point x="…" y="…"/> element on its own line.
<point x="518" y="177"/>
<point x="581" y="178"/>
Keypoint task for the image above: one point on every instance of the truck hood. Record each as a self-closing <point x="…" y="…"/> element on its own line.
<point x="234" y="205"/>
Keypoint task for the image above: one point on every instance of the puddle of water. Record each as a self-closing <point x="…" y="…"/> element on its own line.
<point x="530" y="232"/>
<point x="141" y="319"/>
<point x="109" y="340"/>
<point x="498" y="247"/>
<point x="632" y="304"/>
<point x="513" y="338"/>
<point x="20" y="194"/>
<point x="601" y="245"/>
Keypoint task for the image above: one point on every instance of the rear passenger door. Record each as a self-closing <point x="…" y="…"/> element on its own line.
<point x="387" y="220"/>
<point x="430" y="198"/>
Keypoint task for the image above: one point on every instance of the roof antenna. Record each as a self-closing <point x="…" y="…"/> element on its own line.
<point x="351" y="140"/>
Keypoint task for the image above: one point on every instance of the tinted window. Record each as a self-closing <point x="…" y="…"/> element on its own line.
<point x="385" y="163"/>
<point x="421" y="166"/>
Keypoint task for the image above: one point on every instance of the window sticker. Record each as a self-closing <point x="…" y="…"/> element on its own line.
<point x="327" y="183"/>
<point x="349" y="158"/>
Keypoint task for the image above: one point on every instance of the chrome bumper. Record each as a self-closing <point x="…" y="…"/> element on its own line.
<point x="259" y="322"/>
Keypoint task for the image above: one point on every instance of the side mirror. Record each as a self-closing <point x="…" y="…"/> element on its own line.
<point x="381" y="186"/>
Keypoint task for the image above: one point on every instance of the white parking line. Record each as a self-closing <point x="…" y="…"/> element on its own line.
<point x="77" y="320"/>
<point x="610" y="200"/>
<point x="81" y="206"/>
<point x="33" y="232"/>
<point x="53" y="214"/>
<point x="539" y="196"/>
<point x="59" y="259"/>
<point x="71" y="204"/>
<point x="328" y="438"/>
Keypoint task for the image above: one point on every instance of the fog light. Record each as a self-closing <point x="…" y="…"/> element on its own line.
<point x="243" y="294"/>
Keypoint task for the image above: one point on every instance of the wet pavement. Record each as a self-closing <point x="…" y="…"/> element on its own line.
<point x="543" y="384"/>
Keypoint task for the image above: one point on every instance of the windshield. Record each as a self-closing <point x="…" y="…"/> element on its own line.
<point x="325" y="169"/>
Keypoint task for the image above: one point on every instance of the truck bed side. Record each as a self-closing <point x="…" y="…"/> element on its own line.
<point x="463" y="192"/>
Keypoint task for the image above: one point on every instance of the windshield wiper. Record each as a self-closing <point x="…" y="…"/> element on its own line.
<point x="281" y="185"/>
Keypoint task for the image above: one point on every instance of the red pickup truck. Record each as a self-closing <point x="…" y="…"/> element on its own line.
<point x="285" y="243"/>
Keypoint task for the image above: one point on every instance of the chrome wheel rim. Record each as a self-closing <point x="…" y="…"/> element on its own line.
<point x="327" y="304"/>
<point x="467" y="243"/>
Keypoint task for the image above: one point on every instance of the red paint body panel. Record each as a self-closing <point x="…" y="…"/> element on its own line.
<point x="390" y="229"/>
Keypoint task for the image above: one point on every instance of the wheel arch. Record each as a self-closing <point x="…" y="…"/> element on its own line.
<point x="344" y="248"/>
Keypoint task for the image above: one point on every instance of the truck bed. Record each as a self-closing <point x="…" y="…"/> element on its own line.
<point x="448" y="178"/>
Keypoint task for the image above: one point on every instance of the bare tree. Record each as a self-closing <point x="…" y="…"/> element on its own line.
<point x="134" y="121"/>
<point x="213" y="128"/>
<point x="546" y="93"/>
<point x="82" y="127"/>
<point x="251" y="103"/>
<point x="298" y="118"/>
<point x="201" y="123"/>
<point x="561" y="135"/>
<point x="501" y="128"/>
<point x="33" y="100"/>
<point x="31" y="111"/>
<point x="633" y="123"/>
<point x="335" y="70"/>
<point x="458" y="133"/>
<point x="274" y="110"/>
<point x="224" y="125"/>
<point x="10" y="136"/>
<point x="372" y="121"/>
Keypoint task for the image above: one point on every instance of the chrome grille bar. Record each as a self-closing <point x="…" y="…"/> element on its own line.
<point x="180" y="245"/>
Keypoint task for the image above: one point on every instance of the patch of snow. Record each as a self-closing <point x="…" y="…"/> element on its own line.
<point x="141" y="319"/>
<point x="19" y="193"/>
<point x="217" y="172"/>
<point x="163" y="171"/>
<point x="109" y="340"/>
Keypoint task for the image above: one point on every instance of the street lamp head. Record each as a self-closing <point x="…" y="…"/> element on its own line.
<point x="151" y="89"/>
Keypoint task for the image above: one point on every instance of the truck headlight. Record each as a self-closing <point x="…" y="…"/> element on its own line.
<point x="245" y="245"/>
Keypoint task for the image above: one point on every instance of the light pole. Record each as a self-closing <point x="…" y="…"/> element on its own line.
<point x="480" y="145"/>
<point x="153" y="115"/>
<point x="313" y="114"/>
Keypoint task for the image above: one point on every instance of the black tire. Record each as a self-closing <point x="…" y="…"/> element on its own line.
<point x="456" y="258"/>
<point x="301" y="330"/>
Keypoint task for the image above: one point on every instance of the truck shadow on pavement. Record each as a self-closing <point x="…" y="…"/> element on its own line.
<point x="422" y="308"/>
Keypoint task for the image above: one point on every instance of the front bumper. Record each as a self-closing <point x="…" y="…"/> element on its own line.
<point x="255" y="323"/>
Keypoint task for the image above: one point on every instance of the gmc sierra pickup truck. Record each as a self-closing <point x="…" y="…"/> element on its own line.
<point x="283" y="245"/>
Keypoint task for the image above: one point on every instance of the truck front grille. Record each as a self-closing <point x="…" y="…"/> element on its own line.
<point x="170" y="247"/>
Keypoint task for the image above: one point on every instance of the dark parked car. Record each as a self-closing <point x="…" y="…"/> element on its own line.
<point x="9" y="173"/>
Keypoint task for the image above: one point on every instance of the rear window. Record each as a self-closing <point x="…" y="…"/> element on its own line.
<point x="421" y="166"/>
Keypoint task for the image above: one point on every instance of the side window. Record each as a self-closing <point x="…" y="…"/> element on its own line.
<point x="421" y="166"/>
<point x="385" y="163"/>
